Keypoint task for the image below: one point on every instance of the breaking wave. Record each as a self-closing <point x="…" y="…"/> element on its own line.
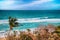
<point x="31" y="20"/>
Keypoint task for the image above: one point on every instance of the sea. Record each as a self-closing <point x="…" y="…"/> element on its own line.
<point x="29" y="18"/>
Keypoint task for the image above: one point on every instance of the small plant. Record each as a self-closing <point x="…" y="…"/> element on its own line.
<point x="25" y="37"/>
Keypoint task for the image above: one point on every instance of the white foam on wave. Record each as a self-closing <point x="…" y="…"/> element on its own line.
<point x="31" y="20"/>
<point x="2" y="34"/>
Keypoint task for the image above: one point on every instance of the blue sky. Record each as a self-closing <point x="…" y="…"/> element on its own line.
<point x="29" y="4"/>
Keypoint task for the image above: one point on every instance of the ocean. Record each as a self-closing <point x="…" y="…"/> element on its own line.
<point x="29" y="18"/>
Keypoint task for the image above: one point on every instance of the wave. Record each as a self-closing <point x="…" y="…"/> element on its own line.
<point x="31" y="20"/>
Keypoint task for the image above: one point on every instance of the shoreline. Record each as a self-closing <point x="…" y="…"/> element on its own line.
<point x="3" y="33"/>
<point x="10" y="33"/>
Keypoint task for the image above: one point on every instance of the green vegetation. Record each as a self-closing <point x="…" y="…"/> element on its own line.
<point x="12" y="22"/>
<point x="58" y="30"/>
<point x="28" y="30"/>
<point x="25" y="37"/>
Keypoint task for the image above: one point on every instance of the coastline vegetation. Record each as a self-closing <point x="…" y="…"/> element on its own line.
<point x="50" y="32"/>
<point x="40" y="34"/>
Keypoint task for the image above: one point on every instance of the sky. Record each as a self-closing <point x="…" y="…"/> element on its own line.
<point x="29" y="4"/>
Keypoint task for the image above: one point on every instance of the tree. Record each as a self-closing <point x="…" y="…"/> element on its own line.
<point x="12" y="22"/>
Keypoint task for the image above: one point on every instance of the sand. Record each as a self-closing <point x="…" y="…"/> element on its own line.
<point x="2" y="38"/>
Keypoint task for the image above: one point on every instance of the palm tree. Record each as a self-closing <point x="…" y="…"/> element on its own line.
<point x="12" y="22"/>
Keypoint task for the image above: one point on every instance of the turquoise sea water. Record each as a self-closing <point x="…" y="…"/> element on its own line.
<point x="4" y="14"/>
<point x="42" y="14"/>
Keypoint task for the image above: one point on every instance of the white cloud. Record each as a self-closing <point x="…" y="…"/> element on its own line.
<point x="5" y="4"/>
<point x="8" y="4"/>
<point x="32" y="3"/>
<point x="51" y="6"/>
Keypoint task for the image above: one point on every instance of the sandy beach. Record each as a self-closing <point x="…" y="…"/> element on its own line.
<point x="3" y="38"/>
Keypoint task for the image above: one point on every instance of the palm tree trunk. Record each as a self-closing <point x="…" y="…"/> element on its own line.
<point x="11" y="27"/>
